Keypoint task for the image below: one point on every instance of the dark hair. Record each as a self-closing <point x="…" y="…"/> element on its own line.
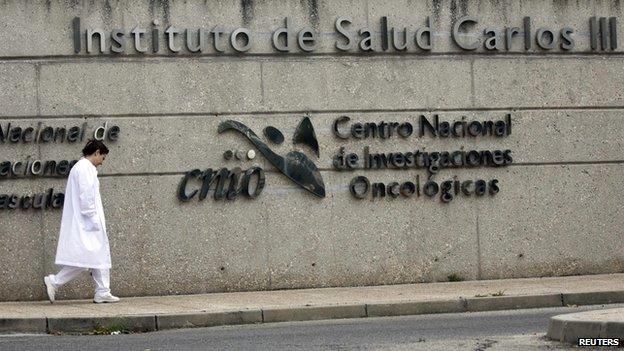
<point x="93" y="146"/>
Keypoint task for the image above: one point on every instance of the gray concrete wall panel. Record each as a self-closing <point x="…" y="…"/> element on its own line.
<point x="154" y="87"/>
<point x="557" y="212"/>
<point x="149" y="87"/>
<point x="561" y="242"/>
<point x="173" y="248"/>
<point x="552" y="82"/>
<point x="179" y="144"/>
<point x="24" y="234"/>
<point x="18" y="89"/>
<point x="364" y="84"/>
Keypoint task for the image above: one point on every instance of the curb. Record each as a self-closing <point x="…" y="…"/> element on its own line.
<point x="308" y="313"/>
<point x="593" y="298"/>
<point x="407" y="308"/>
<point x="565" y="328"/>
<point x="152" y="322"/>
<point x="23" y="325"/>
<point x="207" y="319"/>
<point x="479" y="304"/>
<point x="136" y="323"/>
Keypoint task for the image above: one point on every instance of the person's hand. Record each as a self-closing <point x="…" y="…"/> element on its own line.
<point x="92" y="224"/>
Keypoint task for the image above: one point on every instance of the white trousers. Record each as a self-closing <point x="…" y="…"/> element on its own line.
<point x="101" y="277"/>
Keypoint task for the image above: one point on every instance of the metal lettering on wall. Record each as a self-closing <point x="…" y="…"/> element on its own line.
<point x="466" y="33"/>
<point x="30" y="168"/>
<point x="433" y="162"/>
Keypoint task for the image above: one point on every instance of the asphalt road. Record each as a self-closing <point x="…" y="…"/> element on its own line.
<point x="501" y="330"/>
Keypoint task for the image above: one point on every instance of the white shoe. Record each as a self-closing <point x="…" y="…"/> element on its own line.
<point x="50" y="289"/>
<point x="108" y="297"/>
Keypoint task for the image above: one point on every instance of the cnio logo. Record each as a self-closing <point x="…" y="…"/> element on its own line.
<point x="229" y="184"/>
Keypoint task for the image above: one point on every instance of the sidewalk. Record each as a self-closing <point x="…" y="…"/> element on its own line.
<point x="166" y="312"/>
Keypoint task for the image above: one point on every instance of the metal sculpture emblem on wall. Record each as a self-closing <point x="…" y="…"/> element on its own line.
<point x="295" y="165"/>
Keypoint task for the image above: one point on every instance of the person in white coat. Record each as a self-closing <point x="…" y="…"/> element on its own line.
<point x="83" y="243"/>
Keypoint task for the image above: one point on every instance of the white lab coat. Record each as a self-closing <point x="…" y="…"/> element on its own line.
<point x="83" y="241"/>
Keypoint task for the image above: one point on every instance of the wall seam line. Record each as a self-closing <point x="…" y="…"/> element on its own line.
<point x="262" y="97"/>
<point x="478" y="250"/>
<point x="115" y="58"/>
<point x="473" y="92"/>
<point x="273" y="171"/>
<point x="38" y="88"/>
<point x="314" y="111"/>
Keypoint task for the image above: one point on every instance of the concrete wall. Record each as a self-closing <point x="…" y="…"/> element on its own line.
<point x="558" y="212"/>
